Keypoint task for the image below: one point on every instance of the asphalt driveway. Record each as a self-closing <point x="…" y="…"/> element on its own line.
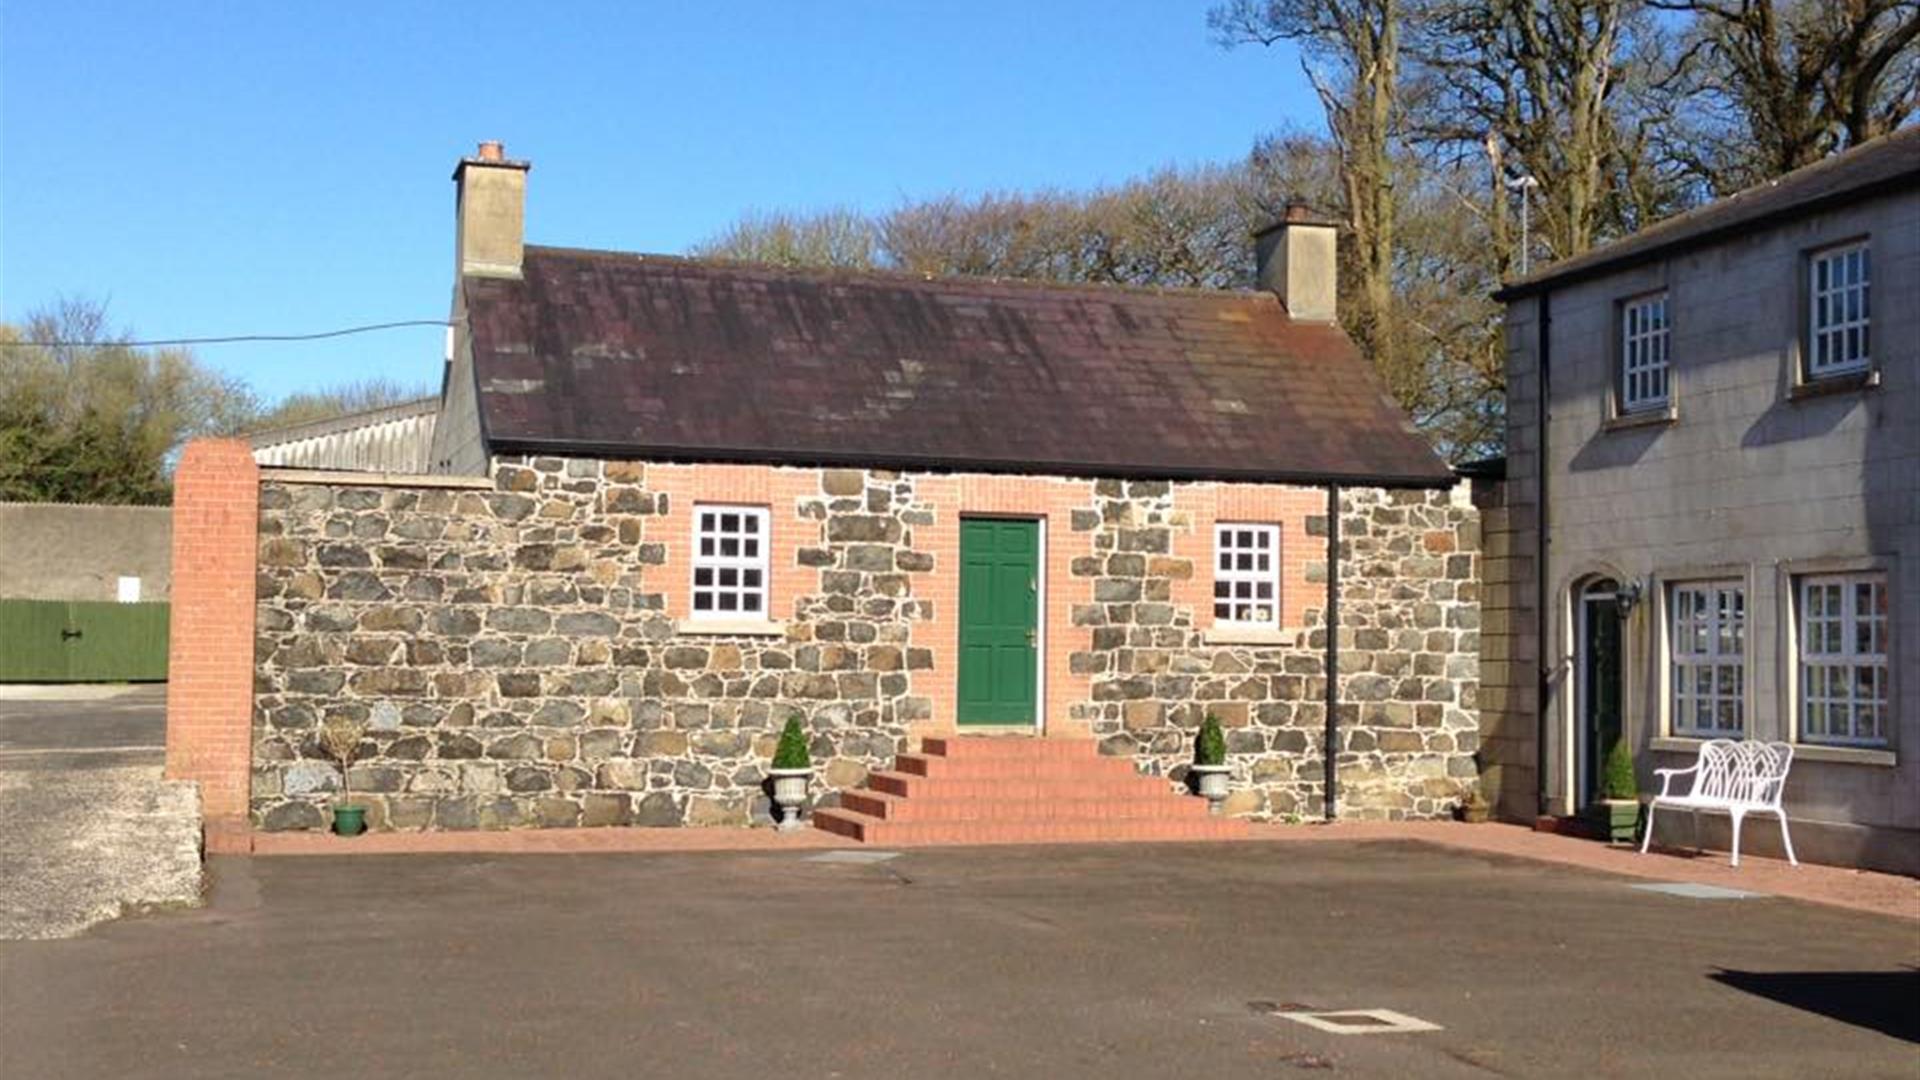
<point x="83" y="726"/>
<point x="1116" y="961"/>
<point x="88" y="828"/>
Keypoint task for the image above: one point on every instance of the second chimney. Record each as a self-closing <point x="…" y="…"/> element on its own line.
<point x="1295" y="259"/>
<point x="489" y="212"/>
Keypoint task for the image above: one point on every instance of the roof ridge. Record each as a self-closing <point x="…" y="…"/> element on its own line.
<point x="911" y="276"/>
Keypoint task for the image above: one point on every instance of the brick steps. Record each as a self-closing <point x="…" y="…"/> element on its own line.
<point x="1014" y="790"/>
<point x="885" y="807"/>
<point x="903" y="833"/>
<point x="1012" y="768"/>
<point x="909" y="786"/>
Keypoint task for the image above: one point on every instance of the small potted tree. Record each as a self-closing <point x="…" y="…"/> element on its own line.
<point x="792" y="772"/>
<point x="340" y="739"/>
<point x="1210" y="769"/>
<point x="1617" y="813"/>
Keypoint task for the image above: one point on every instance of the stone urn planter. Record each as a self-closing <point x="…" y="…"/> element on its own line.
<point x="1211" y="782"/>
<point x="1210" y="770"/>
<point x="791" y="773"/>
<point x="790" y="793"/>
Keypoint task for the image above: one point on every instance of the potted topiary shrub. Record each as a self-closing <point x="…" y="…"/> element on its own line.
<point x="791" y="773"/>
<point x="1210" y="769"/>
<point x="340" y="739"/>
<point x="1617" y="813"/>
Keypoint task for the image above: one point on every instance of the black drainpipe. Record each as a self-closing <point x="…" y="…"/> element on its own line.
<point x="1330" y="749"/>
<point x="1542" y="615"/>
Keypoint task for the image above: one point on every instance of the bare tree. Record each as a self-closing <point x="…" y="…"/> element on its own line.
<point x="1350" y="50"/>
<point x="1772" y="85"/>
<point x="834" y="237"/>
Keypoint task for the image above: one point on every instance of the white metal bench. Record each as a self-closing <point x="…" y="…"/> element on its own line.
<point x="1734" y="778"/>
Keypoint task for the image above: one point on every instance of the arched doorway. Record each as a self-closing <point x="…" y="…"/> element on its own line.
<point x="1598" y="723"/>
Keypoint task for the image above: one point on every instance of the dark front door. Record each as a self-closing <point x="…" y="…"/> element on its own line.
<point x="1600" y="684"/>
<point x="999" y="621"/>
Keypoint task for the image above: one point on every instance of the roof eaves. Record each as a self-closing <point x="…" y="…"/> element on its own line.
<point x="1440" y="477"/>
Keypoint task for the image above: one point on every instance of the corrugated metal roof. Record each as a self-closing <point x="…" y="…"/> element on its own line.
<point x="395" y="439"/>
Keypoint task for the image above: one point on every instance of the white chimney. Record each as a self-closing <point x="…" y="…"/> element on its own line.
<point x="490" y="212"/>
<point x="1296" y="259"/>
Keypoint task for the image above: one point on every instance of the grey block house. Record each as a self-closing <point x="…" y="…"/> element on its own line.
<point x="1711" y="520"/>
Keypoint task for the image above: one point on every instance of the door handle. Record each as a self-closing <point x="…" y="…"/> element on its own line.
<point x="1030" y="638"/>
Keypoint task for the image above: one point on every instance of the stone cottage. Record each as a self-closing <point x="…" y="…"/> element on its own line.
<point x="674" y="502"/>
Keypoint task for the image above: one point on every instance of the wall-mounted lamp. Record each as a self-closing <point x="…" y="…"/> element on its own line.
<point x="1626" y="597"/>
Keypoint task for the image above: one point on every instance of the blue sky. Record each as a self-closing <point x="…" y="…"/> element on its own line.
<point x="218" y="168"/>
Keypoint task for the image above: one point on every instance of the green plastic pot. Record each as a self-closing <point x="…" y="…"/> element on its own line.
<point x="349" y="820"/>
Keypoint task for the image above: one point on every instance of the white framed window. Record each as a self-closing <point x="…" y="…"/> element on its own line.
<point x="1843" y="659"/>
<point x="730" y="562"/>
<point x="1644" y="337"/>
<point x="1246" y="574"/>
<point x="1838" y="313"/>
<point x="1707" y="644"/>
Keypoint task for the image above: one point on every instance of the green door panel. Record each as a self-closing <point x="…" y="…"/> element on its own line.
<point x="117" y="642"/>
<point x="32" y="648"/>
<point x="999" y="621"/>
<point x="82" y="641"/>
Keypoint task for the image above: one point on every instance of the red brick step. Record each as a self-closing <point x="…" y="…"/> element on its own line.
<point x="1018" y="790"/>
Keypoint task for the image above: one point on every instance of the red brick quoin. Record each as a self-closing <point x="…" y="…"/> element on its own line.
<point x="216" y="521"/>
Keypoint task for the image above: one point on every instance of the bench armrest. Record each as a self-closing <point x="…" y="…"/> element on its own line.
<point x="1666" y="777"/>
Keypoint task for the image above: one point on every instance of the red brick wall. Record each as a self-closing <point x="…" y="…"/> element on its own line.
<point x="216" y="499"/>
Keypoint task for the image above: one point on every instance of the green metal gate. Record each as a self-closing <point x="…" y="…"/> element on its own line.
<point x="82" y="641"/>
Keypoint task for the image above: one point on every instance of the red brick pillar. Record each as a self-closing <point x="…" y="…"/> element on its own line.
<point x="216" y="521"/>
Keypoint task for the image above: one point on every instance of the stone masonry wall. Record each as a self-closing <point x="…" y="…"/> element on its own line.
<point x="518" y="654"/>
<point x="1409" y="635"/>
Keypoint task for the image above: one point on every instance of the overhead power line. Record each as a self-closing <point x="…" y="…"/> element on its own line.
<point x="230" y="339"/>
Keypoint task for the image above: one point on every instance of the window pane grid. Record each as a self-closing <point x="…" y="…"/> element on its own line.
<point x="1708" y="646"/>
<point x="1839" y="313"/>
<point x="1246" y="574"/>
<point x="1843" y="660"/>
<point x="1644" y="343"/>
<point x="730" y="561"/>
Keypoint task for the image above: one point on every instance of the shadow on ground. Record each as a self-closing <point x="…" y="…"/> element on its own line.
<point x="1884" y="1001"/>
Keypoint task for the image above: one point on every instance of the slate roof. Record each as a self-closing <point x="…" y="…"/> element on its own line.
<point x="1888" y="163"/>
<point x="617" y="354"/>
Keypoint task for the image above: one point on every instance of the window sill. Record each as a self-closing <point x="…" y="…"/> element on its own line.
<point x="1844" y="755"/>
<point x="1249" y="635"/>
<point x="1645" y="418"/>
<point x="1852" y="382"/>
<point x="730" y="627"/>
<point x="1836" y="755"/>
<point x="1676" y="744"/>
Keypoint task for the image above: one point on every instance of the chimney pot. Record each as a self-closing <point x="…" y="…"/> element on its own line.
<point x="1297" y="210"/>
<point x="494" y="150"/>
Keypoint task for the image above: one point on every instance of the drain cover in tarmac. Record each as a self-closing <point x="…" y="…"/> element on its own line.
<point x="1361" y="1021"/>
<point x="1693" y="891"/>
<point x="856" y="857"/>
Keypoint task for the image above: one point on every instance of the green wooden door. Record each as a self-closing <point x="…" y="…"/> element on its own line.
<point x="999" y="621"/>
